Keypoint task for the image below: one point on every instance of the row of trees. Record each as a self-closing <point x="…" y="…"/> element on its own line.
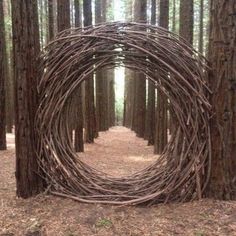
<point x="146" y="110"/>
<point x="96" y="107"/>
<point x="34" y="24"/>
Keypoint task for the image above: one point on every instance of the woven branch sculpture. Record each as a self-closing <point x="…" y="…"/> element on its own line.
<point x="182" y="171"/>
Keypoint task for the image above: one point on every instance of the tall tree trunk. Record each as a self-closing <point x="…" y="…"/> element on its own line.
<point x="63" y="15"/>
<point x="222" y="55"/>
<point x="174" y="17"/>
<point x="111" y="98"/>
<point x="9" y="101"/>
<point x="26" y="49"/>
<point x="129" y="80"/>
<point x="150" y="114"/>
<point x="63" y="22"/>
<point x="186" y="20"/>
<point x="79" y="142"/>
<point x="200" y="42"/>
<point x="3" y="68"/>
<point x="89" y="113"/>
<point x="140" y="15"/>
<point x="51" y="9"/>
<point x="128" y="98"/>
<point x="101" y="78"/>
<point x="161" y="140"/>
<point x="41" y="26"/>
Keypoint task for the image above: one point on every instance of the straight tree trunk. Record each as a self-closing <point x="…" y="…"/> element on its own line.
<point x="129" y="80"/>
<point x="89" y="111"/>
<point x="63" y="22"/>
<point x="174" y="17"/>
<point x="3" y="68"/>
<point x="128" y="98"/>
<point x="63" y="15"/>
<point x="200" y="43"/>
<point x="140" y="15"/>
<point x="51" y="9"/>
<point x="101" y="78"/>
<point x="222" y="56"/>
<point x="9" y="101"/>
<point x="150" y="114"/>
<point x="111" y="98"/>
<point x="26" y="49"/>
<point x="186" y="20"/>
<point x="79" y="141"/>
<point x="161" y="139"/>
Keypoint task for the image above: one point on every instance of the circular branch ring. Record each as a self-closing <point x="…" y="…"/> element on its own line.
<point x="177" y="70"/>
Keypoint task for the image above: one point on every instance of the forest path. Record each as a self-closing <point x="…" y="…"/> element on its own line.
<point x="118" y="152"/>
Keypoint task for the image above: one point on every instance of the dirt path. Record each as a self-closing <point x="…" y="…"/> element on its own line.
<point x="118" y="152"/>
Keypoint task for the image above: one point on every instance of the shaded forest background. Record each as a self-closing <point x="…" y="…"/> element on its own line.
<point x="27" y="27"/>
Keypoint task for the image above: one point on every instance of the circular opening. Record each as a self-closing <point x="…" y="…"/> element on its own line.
<point x="178" y="72"/>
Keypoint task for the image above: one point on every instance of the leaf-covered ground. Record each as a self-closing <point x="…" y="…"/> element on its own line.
<point x="117" y="152"/>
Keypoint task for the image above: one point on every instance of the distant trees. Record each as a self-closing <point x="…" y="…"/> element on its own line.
<point x="146" y="114"/>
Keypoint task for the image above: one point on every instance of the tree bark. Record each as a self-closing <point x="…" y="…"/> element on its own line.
<point x="222" y="78"/>
<point x="26" y="49"/>
<point x="79" y="140"/>
<point x="111" y="98"/>
<point x="101" y="89"/>
<point x="186" y="20"/>
<point x="150" y="114"/>
<point x="3" y="68"/>
<point x="200" y="42"/>
<point x="161" y="139"/>
<point x="89" y="113"/>
<point x="51" y="9"/>
<point x="174" y="17"/>
<point x="140" y="15"/>
<point x="63" y="15"/>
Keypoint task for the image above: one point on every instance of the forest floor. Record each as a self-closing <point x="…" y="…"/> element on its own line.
<point x="117" y="152"/>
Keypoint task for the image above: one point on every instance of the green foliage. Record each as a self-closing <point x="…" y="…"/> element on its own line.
<point x="199" y="233"/>
<point x="104" y="223"/>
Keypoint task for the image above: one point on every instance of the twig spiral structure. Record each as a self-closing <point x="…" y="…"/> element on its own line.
<point x="177" y="70"/>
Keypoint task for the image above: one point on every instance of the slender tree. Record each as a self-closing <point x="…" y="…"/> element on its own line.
<point x="51" y="9"/>
<point x="186" y="20"/>
<point x="26" y="49"/>
<point x="161" y="109"/>
<point x="174" y="16"/>
<point x="101" y="78"/>
<point x="89" y="113"/>
<point x="8" y="68"/>
<point x="150" y="115"/>
<point x="3" y="68"/>
<point x="201" y="16"/>
<point x="129" y="80"/>
<point x="222" y="55"/>
<point x="63" y="15"/>
<point x="140" y="15"/>
<point x="79" y="142"/>
<point x="111" y="98"/>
